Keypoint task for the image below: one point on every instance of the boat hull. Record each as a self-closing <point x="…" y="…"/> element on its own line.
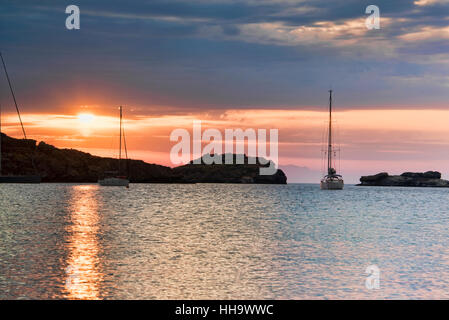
<point x="332" y="184"/>
<point x="114" y="182"/>
<point x="20" y="179"/>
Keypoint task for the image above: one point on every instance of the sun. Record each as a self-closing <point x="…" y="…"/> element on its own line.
<point x="86" y="118"/>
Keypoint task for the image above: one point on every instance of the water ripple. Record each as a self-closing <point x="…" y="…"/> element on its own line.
<point x="213" y="241"/>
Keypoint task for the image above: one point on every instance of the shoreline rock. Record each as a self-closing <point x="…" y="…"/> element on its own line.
<point x="407" y="179"/>
<point x="248" y="172"/>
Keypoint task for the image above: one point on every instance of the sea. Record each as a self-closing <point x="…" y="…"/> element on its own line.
<point x="223" y="241"/>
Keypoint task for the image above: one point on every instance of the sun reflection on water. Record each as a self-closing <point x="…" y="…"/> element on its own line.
<point x="83" y="274"/>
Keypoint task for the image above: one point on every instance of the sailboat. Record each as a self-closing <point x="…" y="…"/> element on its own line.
<point x="14" y="178"/>
<point x="331" y="181"/>
<point x="113" y="178"/>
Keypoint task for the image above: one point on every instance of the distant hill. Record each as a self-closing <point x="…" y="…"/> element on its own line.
<point x="24" y="157"/>
<point x="70" y="165"/>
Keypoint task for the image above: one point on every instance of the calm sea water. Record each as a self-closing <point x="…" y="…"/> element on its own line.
<point x="211" y="241"/>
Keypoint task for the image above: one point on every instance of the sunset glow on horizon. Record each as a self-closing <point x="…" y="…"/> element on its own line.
<point x="86" y="118"/>
<point x="371" y="140"/>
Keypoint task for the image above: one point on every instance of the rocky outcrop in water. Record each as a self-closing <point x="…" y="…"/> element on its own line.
<point x="25" y="157"/>
<point x="407" y="179"/>
<point x="230" y="173"/>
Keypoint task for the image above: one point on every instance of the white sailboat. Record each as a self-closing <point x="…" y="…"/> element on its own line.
<point x="112" y="178"/>
<point x="331" y="181"/>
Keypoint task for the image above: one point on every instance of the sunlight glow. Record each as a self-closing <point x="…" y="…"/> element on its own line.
<point x="86" y="118"/>
<point x="83" y="273"/>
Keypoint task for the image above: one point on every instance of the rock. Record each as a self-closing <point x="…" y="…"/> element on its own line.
<point x="407" y="179"/>
<point x="376" y="177"/>
<point x="229" y="173"/>
<point x="427" y="175"/>
<point x="246" y="179"/>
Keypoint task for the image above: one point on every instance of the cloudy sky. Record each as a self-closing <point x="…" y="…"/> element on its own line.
<point x="236" y="64"/>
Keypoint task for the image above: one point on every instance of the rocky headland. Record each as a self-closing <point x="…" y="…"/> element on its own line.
<point x="27" y="157"/>
<point x="407" y="179"/>
<point x="229" y="173"/>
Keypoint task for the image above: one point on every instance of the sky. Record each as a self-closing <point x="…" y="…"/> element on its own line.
<point x="235" y="64"/>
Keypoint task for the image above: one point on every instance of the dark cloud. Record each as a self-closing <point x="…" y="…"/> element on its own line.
<point x="191" y="54"/>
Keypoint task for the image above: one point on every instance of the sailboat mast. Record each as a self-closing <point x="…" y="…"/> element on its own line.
<point x="329" y="147"/>
<point x="120" y="143"/>
<point x="13" y="96"/>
